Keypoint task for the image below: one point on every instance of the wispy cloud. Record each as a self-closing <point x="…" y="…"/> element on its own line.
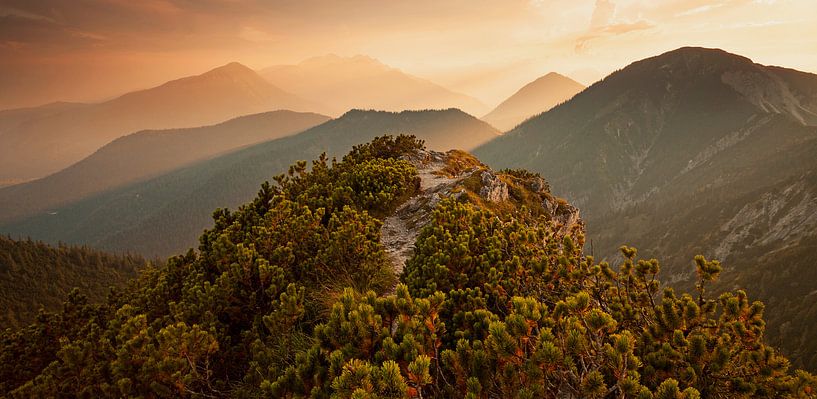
<point x="15" y="12"/>
<point x="604" y="23"/>
<point x="699" y="10"/>
<point x="583" y="42"/>
<point x="603" y="13"/>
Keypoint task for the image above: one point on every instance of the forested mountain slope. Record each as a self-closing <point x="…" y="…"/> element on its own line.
<point x="696" y="151"/>
<point x="295" y="294"/>
<point x="34" y="275"/>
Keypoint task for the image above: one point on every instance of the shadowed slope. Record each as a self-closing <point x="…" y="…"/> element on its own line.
<point x="146" y="154"/>
<point x="696" y="151"/>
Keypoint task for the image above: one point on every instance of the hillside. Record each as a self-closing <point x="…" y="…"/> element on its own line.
<point x="533" y="99"/>
<point x="165" y="214"/>
<point x="47" y="144"/>
<point x="11" y="118"/>
<point x="147" y="154"/>
<point x="36" y="276"/>
<point x="360" y="82"/>
<point x="695" y="151"/>
<point x="301" y="292"/>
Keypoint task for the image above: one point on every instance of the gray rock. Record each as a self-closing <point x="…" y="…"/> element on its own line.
<point x="493" y="188"/>
<point x="540" y="185"/>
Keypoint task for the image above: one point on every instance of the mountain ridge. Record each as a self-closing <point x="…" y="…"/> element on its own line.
<point x="44" y="145"/>
<point x="533" y="99"/>
<point x="362" y="82"/>
<point x="165" y="214"/>
<point x="146" y="154"/>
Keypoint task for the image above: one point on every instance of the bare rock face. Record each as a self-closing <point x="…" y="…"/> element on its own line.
<point x="540" y="185"/>
<point x="493" y="188"/>
<point x="565" y="217"/>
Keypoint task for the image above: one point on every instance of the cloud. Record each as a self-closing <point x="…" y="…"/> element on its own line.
<point x="583" y="42"/>
<point x="701" y="9"/>
<point x="602" y="14"/>
<point x="15" y="12"/>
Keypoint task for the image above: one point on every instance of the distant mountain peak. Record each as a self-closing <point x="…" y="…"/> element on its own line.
<point x="551" y="75"/>
<point x="333" y="59"/>
<point x="768" y="89"/>
<point x="532" y="99"/>
<point x="696" y="59"/>
<point x="359" y="81"/>
<point x="233" y="64"/>
<point x="359" y="111"/>
<point x="703" y="51"/>
<point x="65" y="137"/>
<point x="233" y="69"/>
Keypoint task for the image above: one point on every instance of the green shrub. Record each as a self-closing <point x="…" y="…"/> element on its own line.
<point x="292" y="295"/>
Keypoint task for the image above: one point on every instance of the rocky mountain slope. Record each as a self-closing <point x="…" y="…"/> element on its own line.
<point x="147" y="154"/>
<point x="47" y="144"/>
<point x="696" y="151"/>
<point x="533" y="99"/>
<point x="165" y="214"/>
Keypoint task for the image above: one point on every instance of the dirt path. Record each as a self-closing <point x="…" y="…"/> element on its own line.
<point x="400" y="230"/>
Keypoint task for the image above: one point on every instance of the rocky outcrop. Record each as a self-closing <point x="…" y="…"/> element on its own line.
<point x="539" y="185"/>
<point x="493" y="188"/>
<point x="438" y="180"/>
<point x="565" y="217"/>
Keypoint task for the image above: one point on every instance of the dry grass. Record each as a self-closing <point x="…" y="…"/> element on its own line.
<point x="458" y="162"/>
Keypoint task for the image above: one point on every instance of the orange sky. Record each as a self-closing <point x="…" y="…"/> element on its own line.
<point x="87" y="50"/>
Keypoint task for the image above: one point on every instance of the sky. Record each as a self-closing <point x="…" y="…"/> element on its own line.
<point x="91" y="50"/>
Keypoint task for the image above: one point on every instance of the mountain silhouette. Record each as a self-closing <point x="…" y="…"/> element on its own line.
<point x="147" y="154"/>
<point x="532" y="99"/>
<point x="360" y="82"/>
<point x="44" y="145"/>
<point x="165" y="214"/>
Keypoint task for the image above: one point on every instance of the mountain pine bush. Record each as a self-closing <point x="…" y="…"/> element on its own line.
<point x="292" y="295"/>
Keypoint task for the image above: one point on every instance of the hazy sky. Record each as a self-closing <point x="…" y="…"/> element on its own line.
<point x="92" y="49"/>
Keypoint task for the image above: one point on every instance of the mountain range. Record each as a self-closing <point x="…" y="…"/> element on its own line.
<point x="45" y="141"/>
<point x="532" y="99"/>
<point x="695" y="151"/>
<point x="147" y="154"/>
<point x="164" y="215"/>
<point x="360" y="82"/>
